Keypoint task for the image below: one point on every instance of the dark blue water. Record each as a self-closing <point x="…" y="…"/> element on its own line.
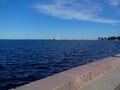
<point x="24" y="61"/>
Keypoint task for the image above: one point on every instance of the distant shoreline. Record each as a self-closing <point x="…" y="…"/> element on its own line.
<point x="56" y="40"/>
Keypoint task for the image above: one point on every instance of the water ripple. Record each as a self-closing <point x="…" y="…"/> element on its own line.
<point x="24" y="61"/>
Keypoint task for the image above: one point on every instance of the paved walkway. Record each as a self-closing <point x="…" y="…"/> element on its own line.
<point x="109" y="81"/>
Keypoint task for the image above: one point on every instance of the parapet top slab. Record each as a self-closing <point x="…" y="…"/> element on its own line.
<point x="117" y="55"/>
<point x="47" y="83"/>
<point x="81" y="70"/>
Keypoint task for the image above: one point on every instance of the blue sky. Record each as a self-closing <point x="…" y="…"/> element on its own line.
<point x="66" y="19"/>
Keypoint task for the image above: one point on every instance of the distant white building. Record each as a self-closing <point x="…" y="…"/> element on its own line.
<point x="54" y="38"/>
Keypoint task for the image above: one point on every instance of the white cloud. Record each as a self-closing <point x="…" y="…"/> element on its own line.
<point x="114" y="3"/>
<point x="87" y="10"/>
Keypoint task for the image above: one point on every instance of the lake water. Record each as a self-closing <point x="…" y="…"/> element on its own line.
<point x="24" y="61"/>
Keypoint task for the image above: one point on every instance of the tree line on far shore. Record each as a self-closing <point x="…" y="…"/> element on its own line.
<point x="109" y="38"/>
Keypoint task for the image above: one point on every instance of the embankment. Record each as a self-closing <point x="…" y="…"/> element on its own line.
<point x="74" y="78"/>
